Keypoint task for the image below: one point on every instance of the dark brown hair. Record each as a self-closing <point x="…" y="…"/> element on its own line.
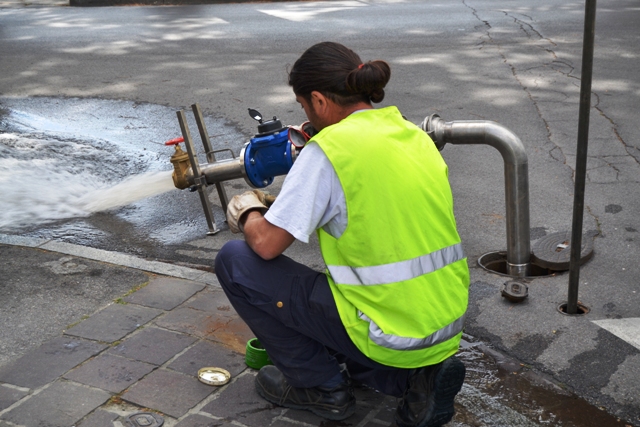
<point x="339" y="74"/>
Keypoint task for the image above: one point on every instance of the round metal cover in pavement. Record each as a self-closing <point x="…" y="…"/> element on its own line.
<point x="554" y="251"/>
<point x="144" y="419"/>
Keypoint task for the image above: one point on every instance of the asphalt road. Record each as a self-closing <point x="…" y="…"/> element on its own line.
<point x="516" y="63"/>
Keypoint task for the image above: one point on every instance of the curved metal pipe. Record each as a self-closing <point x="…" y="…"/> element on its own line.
<point x="516" y="177"/>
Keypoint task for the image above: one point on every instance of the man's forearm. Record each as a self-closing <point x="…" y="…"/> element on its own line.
<point x="266" y="239"/>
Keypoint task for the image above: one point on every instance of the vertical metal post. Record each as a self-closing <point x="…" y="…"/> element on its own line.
<point x="581" y="157"/>
<point x="211" y="157"/>
<point x="199" y="179"/>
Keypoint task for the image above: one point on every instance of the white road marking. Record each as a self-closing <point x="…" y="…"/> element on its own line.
<point x="626" y="329"/>
<point x="299" y="12"/>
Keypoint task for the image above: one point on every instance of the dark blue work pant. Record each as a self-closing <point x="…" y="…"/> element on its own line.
<point x="291" y="310"/>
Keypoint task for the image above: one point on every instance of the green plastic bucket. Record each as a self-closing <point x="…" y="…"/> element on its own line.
<point x="256" y="356"/>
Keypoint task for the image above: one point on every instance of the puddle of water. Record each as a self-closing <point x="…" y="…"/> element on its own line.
<point x="43" y="180"/>
<point x="97" y="172"/>
<point x="501" y="392"/>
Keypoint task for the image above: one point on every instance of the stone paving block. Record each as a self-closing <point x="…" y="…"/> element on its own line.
<point x="9" y="396"/>
<point x="197" y="420"/>
<point x="217" y="326"/>
<point x="240" y="402"/>
<point x="313" y="419"/>
<point x="114" y="322"/>
<point x="49" y="361"/>
<point x="206" y="354"/>
<point x="153" y="345"/>
<point x="169" y="392"/>
<point x="165" y="293"/>
<point x="62" y="404"/>
<point x="111" y="373"/>
<point x="99" y="418"/>
<point x="183" y="319"/>
<point x="211" y="299"/>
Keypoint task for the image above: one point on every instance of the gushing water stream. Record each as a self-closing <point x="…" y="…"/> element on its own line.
<point x="40" y="190"/>
<point x="128" y="191"/>
<point x="95" y="172"/>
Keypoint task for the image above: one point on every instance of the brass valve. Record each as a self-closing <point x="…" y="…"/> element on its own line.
<point x="180" y="161"/>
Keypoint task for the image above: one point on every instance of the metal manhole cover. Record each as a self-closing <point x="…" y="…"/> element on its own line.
<point x="554" y="251"/>
<point x="144" y="419"/>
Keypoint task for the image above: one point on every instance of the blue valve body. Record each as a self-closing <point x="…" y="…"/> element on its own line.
<point x="266" y="157"/>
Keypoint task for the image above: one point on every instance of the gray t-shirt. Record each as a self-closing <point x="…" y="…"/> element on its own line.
<point x="311" y="197"/>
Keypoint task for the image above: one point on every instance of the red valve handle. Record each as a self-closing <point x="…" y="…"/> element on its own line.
<point x="175" y="141"/>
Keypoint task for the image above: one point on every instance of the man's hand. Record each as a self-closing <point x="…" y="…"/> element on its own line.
<point x="241" y="204"/>
<point x="265" y="198"/>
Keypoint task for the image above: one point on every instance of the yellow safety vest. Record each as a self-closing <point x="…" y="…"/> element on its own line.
<point x="398" y="273"/>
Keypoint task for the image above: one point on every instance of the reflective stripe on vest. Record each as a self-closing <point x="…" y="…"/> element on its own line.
<point x="395" y="342"/>
<point x="396" y="271"/>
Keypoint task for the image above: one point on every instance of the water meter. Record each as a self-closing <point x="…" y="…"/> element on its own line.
<point x="269" y="153"/>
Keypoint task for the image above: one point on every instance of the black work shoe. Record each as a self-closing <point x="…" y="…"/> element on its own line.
<point x="428" y="401"/>
<point x="337" y="403"/>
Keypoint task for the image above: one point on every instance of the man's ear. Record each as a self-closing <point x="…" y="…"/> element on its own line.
<point x="319" y="102"/>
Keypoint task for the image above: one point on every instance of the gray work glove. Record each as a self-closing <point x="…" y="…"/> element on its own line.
<point x="243" y="203"/>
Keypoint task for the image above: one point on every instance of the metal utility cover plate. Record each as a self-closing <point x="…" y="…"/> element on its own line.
<point x="554" y="251"/>
<point x="144" y="419"/>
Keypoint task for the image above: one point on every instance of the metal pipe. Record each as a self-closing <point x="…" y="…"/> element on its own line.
<point x="516" y="177"/>
<point x="227" y="169"/>
<point x="221" y="170"/>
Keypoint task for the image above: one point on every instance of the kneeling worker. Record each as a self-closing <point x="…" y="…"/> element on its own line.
<point x="389" y="311"/>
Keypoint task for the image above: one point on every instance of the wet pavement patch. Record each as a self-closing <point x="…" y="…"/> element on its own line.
<point x="97" y="173"/>
<point x="499" y="390"/>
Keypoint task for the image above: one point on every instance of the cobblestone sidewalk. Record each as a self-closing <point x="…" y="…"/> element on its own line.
<point x="142" y="354"/>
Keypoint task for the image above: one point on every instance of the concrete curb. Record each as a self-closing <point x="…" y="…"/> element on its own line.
<point x="115" y="258"/>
